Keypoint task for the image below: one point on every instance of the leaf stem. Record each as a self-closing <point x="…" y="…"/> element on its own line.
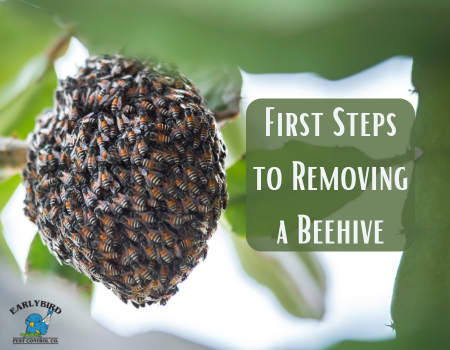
<point x="13" y="156"/>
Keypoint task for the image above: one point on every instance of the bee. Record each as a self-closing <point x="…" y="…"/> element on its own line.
<point x="116" y="104"/>
<point x="66" y="178"/>
<point x="138" y="175"/>
<point x="196" y="143"/>
<point x="190" y="156"/>
<point x="211" y="188"/>
<point x="162" y="112"/>
<point x="163" y="275"/>
<point x="150" y="253"/>
<point x="123" y="152"/>
<point x="96" y="186"/>
<point x="189" y="204"/>
<point x="121" y="174"/>
<point x="90" y="215"/>
<point x="143" y="121"/>
<point x="104" y="207"/>
<point x="113" y="131"/>
<point x="104" y="177"/>
<point x="157" y="194"/>
<point x="106" y="220"/>
<point x="153" y="179"/>
<point x="154" y="236"/>
<point x="165" y="256"/>
<point x="167" y="238"/>
<point x="217" y="209"/>
<point x="157" y="86"/>
<point x="174" y="110"/>
<point x="128" y="279"/>
<point x="78" y="214"/>
<point x="122" y="120"/>
<point x="148" y="217"/>
<point x="181" y="185"/>
<point x="160" y="138"/>
<point x="204" y="132"/>
<point x="131" y="235"/>
<point x="179" y="84"/>
<point x="186" y="243"/>
<point x="109" y="256"/>
<point x="193" y="188"/>
<point x="145" y="273"/>
<point x="157" y="156"/>
<point x="192" y="175"/>
<point x="103" y="125"/>
<point x="79" y="179"/>
<point x="172" y="206"/>
<point x="128" y="109"/>
<point x="85" y="232"/>
<point x="147" y="106"/>
<point x="109" y="268"/>
<point x="136" y="157"/>
<point x="176" y="279"/>
<point x="122" y="200"/>
<point x="101" y="139"/>
<point x="130" y="256"/>
<point x="138" y="200"/>
<point x="190" y="256"/>
<point x="116" y="209"/>
<point x="139" y="189"/>
<point x="131" y="135"/>
<point x="89" y="197"/>
<point x="158" y="101"/>
<point x="131" y="222"/>
<point x="45" y="184"/>
<point x="90" y="162"/>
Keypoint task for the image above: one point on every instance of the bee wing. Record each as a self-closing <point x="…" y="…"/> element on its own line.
<point x="104" y="99"/>
<point x="110" y="100"/>
<point x="56" y="154"/>
<point x="119" y="103"/>
<point x="45" y="177"/>
<point x="105" y="86"/>
<point x="83" y="146"/>
<point x="109" y="120"/>
<point x="125" y="119"/>
<point x="105" y="138"/>
<point x="136" y="130"/>
<point x="92" y="194"/>
<point x="100" y="159"/>
<point x="143" y="171"/>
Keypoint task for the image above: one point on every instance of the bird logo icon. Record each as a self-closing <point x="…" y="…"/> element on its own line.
<point x="36" y="325"/>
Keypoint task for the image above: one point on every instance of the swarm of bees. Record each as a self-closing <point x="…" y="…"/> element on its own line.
<point x="125" y="176"/>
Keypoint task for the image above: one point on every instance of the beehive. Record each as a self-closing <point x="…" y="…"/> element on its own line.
<point x="125" y="176"/>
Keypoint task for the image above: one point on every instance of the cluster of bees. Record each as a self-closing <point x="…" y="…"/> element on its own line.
<point x="125" y="176"/>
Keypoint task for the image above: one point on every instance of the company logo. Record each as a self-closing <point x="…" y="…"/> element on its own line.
<point x="36" y="326"/>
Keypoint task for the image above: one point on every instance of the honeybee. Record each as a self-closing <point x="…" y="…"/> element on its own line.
<point x="109" y="268"/>
<point x="121" y="174"/>
<point x="156" y="193"/>
<point x="190" y="257"/>
<point x="165" y="256"/>
<point x="191" y="174"/>
<point x="90" y="215"/>
<point x="89" y="197"/>
<point x="154" y="236"/>
<point x="122" y="200"/>
<point x="100" y="138"/>
<point x="104" y="177"/>
<point x="123" y="152"/>
<point x="186" y="243"/>
<point x="157" y="86"/>
<point x="138" y="175"/>
<point x="189" y="204"/>
<point x="153" y="179"/>
<point x="90" y="162"/>
<point x="116" y="103"/>
<point x="160" y="138"/>
<point x="128" y="109"/>
<point x="122" y="121"/>
<point x="148" y="217"/>
<point x="106" y="220"/>
<point x="130" y="256"/>
<point x="131" y="222"/>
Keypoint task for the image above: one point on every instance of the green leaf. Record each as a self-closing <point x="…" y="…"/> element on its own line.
<point x="7" y="189"/>
<point x="19" y="117"/>
<point x="332" y="38"/>
<point x="296" y="279"/>
<point x="236" y="210"/>
<point x="25" y="31"/>
<point x="422" y="285"/>
<point x="40" y="259"/>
